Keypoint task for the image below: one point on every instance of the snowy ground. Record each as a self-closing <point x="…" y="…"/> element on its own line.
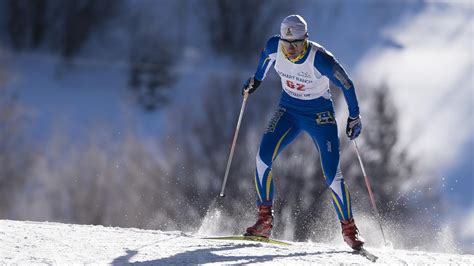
<point x="64" y="244"/>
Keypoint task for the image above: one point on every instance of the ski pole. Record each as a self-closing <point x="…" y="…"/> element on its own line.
<point x="371" y="195"/>
<point x="234" y="141"/>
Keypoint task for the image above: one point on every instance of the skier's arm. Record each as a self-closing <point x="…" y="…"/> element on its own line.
<point x="327" y="65"/>
<point x="267" y="58"/>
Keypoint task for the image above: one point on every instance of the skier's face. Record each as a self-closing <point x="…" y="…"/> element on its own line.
<point x="293" y="48"/>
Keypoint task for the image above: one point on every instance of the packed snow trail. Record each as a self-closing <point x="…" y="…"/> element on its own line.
<point x="61" y="244"/>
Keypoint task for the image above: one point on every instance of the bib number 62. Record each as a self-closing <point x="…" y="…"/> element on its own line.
<point x="295" y="86"/>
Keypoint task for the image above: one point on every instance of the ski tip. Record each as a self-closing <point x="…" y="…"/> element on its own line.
<point x="365" y="253"/>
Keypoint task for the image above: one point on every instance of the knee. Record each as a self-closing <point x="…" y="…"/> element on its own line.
<point x="331" y="168"/>
<point x="262" y="166"/>
<point x="264" y="156"/>
<point x="334" y="177"/>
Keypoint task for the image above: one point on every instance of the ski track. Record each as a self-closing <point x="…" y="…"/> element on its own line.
<point x="44" y="243"/>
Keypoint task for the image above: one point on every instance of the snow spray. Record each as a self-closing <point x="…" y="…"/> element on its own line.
<point x="214" y="222"/>
<point x="211" y="221"/>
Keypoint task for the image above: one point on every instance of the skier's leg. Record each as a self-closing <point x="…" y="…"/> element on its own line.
<point x="325" y="136"/>
<point x="327" y="140"/>
<point x="280" y="132"/>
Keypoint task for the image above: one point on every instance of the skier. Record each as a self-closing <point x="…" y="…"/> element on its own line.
<point x="305" y="69"/>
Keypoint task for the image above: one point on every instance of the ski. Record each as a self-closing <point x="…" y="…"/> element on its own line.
<point x="365" y="253"/>
<point x="250" y="238"/>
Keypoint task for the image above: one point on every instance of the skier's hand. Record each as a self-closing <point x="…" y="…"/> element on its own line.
<point x="354" y="127"/>
<point x="250" y="85"/>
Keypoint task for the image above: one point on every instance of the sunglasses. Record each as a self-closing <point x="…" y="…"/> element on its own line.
<point x="293" y="42"/>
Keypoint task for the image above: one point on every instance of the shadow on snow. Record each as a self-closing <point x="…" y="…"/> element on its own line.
<point x="207" y="255"/>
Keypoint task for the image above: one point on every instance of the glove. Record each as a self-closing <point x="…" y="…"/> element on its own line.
<point x="250" y="85"/>
<point x="354" y="127"/>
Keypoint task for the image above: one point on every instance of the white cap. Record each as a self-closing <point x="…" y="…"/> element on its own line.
<point x="293" y="27"/>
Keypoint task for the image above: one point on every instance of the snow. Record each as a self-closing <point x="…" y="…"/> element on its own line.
<point x="39" y="243"/>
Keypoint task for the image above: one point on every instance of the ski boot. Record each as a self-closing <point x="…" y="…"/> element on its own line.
<point x="351" y="234"/>
<point x="263" y="226"/>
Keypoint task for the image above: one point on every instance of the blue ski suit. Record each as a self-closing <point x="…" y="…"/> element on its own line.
<point x="305" y="105"/>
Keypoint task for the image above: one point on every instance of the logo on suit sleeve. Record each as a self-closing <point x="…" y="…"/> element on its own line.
<point x="339" y="74"/>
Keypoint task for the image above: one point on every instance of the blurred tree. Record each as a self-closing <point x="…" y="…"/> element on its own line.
<point x="64" y="25"/>
<point x="122" y="180"/>
<point x="79" y="19"/>
<point x="16" y="153"/>
<point x="17" y="25"/>
<point x="239" y="28"/>
<point x="100" y="179"/>
<point x="150" y="75"/>
<point x="151" y="60"/>
<point x="39" y="23"/>
<point x="27" y="22"/>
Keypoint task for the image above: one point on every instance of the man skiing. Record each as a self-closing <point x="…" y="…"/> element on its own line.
<point x="305" y="69"/>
